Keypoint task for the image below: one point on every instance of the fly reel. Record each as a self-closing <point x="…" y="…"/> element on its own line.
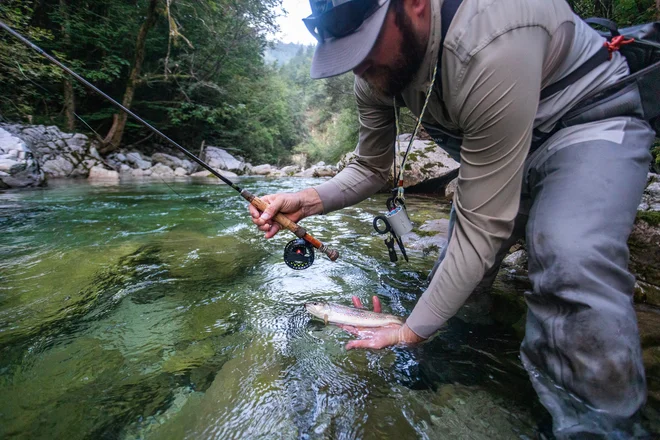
<point x="298" y="254"/>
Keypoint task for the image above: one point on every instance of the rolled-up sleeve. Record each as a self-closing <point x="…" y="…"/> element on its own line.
<point x="367" y="172"/>
<point x="494" y="103"/>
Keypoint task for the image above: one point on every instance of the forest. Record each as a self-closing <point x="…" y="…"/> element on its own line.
<point x="193" y="68"/>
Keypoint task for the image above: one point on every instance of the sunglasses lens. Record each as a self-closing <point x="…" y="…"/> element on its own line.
<point x="340" y="20"/>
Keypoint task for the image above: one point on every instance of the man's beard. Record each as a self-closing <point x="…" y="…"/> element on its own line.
<point x="392" y="80"/>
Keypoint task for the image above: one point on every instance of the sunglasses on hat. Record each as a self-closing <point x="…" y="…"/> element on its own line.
<point x="337" y="18"/>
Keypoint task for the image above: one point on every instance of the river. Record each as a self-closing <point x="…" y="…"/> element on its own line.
<point x="156" y="310"/>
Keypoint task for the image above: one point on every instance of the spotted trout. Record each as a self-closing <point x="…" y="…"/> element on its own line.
<point x="338" y="314"/>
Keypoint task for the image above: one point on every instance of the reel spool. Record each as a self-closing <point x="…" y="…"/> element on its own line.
<point x="298" y="254"/>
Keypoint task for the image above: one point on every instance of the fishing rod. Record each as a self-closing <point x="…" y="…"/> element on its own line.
<point x="298" y="253"/>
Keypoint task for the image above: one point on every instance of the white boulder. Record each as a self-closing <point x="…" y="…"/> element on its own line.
<point x="100" y="173"/>
<point x="220" y="159"/>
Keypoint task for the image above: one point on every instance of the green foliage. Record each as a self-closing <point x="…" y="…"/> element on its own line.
<point x="203" y="77"/>
<point x="650" y="217"/>
<point x="656" y="156"/>
<point x="340" y="137"/>
<point x="327" y="111"/>
<point x="19" y="67"/>
<point x="624" y="12"/>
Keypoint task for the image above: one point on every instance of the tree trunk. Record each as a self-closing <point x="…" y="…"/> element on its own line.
<point x="69" y="97"/>
<point x="116" y="132"/>
<point x="69" y="105"/>
<point x="657" y="9"/>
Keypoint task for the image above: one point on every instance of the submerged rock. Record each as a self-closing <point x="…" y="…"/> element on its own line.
<point x="457" y="411"/>
<point x="429" y="237"/>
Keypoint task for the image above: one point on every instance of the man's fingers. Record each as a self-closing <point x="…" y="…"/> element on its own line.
<point x="357" y="303"/>
<point x="360" y="332"/>
<point x="273" y="208"/>
<point x="274" y="229"/>
<point x="265" y="227"/>
<point x="363" y="343"/>
<point x="376" y="302"/>
<point x="254" y="212"/>
<point x="350" y="329"/>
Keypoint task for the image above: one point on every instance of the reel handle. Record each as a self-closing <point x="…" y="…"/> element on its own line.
<point x="286" y="223"/>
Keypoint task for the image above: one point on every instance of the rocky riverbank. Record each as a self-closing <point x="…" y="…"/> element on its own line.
<point x="30" y="155"/>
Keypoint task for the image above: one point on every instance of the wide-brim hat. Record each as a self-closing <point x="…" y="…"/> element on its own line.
<point x="335" y="56"/>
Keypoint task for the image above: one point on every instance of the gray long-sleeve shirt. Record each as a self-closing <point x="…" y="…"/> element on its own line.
<point x="497" y="57"/>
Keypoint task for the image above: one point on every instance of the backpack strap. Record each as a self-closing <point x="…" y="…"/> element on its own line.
<point x="604" y="22"/>
<point x="596" y="59"/>
<point x="447" y="13"/>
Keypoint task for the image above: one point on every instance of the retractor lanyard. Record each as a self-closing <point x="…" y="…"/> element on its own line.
<point x="399" y="196"/>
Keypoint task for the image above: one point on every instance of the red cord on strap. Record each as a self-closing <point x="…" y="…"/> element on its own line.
<point x="616" y="44"/>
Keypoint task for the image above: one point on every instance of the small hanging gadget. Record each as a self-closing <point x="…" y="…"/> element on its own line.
<point x="396" y="221"/>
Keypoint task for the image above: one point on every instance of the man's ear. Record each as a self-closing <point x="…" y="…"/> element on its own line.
<point x="417" y="9"/>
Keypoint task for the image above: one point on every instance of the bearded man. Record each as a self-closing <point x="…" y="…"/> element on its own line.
<point x="505" y="102"/>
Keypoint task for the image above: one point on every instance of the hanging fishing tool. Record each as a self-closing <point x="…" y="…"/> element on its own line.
<point x="298" y="254"/>
<point x="396" y="221"/>
<point x="395" y="224"/>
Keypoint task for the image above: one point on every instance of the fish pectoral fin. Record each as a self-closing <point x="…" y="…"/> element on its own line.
<point x="325" y="319"/>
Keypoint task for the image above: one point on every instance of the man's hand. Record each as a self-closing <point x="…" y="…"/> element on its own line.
<point x="379" y="337"/>
<point x="296" y="206"/>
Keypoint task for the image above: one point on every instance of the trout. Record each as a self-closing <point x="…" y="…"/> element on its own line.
<point x="338" y="314"/>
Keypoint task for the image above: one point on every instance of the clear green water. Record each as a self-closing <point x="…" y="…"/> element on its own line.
<point x="128" y="312"/>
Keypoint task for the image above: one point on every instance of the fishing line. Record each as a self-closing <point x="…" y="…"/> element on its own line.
<point x="299" y="254"/>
